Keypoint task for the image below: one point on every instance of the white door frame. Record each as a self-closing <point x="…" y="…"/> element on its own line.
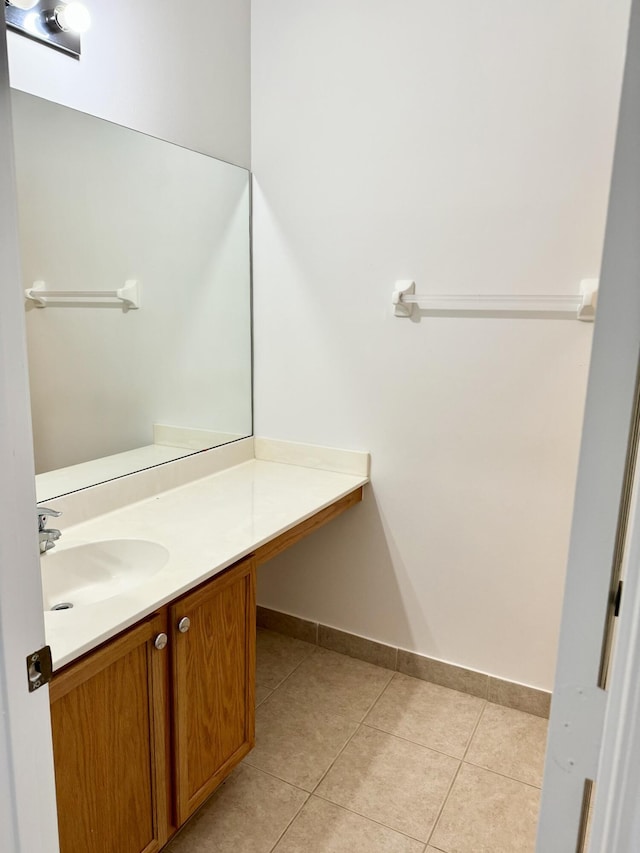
<point x="578" y="706"/>
<point x="27" y="791"/>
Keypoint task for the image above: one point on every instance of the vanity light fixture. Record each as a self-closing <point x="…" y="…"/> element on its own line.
<point x="70" y="17"/>
<point x="58" y="25"/>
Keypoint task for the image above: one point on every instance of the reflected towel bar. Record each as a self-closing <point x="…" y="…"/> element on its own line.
<point x="129" y="295"/>
<point x="580" y="306"/>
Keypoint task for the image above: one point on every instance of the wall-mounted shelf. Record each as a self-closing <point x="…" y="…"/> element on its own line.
<point x="580" y="306"/>
<point x="129" y="295"/>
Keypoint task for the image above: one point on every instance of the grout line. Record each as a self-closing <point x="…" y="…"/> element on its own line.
<point x="285" y="830"/>
<point x="365" y="725"/>
<point x="315" y="793"/>
<point x="412" y="742"/>
<point x="379" y="696"/>
<point x="273" y="776"/>
<point x="264" y="699"/>
<point x="372" y="819"/>
<point x="503" y="775"/>
<point x="444" y="803"/>
<point x="330" y="767"/>
<point x="456" y="774"/>
<point x="391" y="675"/>
<point x="348" y="741"/>
<point x="489" y="769"/>
<point x="475" y="729"/>
<point x="287" y="677"/>
<point x="463" y="758"/>
<point x="485" y="770"/>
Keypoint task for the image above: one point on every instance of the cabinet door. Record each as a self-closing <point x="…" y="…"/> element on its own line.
<point x="108" y="714"/>
<point x="213" y="683"/>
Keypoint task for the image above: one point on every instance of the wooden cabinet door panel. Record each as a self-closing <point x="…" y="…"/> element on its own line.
<point x="108" y="720"/>
<point x="213" y="684"/>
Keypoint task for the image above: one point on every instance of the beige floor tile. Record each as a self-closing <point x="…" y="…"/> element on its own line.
<point x="510" y="742"/>
<point x="487" y="813"/>
<point x="262" y="693"/>
<point x="322" y="827"/>
<point x="248" y="813"/>
<point x="295" y="742"/>
<point x="390" y="780"/>
<point x="337" y="684"/>
<point x="278" y="656"/>
<point x="427" y="714"/>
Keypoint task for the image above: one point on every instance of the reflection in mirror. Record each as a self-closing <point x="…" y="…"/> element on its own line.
<point x="115" y="389"/>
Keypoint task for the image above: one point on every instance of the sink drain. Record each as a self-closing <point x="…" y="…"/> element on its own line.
<point x="64" y="605"/>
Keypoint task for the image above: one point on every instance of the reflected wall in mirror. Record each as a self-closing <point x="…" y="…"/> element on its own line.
<point x="115" y="390"/>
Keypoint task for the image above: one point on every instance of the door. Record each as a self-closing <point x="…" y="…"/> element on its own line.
<point x="601" y="512"/>
<point x="109" y="726"/>
<point x="213" y="683"/>
<point x="27" y="794"/>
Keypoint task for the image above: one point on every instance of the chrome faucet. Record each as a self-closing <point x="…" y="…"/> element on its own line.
<point x="47" y="537"/>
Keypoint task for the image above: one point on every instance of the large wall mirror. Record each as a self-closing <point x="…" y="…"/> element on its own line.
<point x="114" y="388"/>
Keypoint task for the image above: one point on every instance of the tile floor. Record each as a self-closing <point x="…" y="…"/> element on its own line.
<point x="354" y="758"/>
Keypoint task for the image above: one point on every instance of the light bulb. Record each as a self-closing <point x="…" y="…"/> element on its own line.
<point x="73" y="17"/>
<point x="23" y="4"/>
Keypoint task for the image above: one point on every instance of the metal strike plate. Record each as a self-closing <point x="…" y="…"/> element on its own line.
<point x="39" y="668"/>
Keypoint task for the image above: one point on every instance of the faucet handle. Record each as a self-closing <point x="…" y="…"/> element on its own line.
<point x="43" y="513"/>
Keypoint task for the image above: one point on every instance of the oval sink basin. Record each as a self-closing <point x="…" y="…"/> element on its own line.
<point x="85" y="574"/>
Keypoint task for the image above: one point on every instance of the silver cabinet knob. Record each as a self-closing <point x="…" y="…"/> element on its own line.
<point x="184" y="624"/>
<point x="161" y="641"/>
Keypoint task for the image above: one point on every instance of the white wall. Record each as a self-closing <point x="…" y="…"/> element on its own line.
<point x="139" y="209"/>
<point x="180" y="72"/>
<point x="467" y="146"/>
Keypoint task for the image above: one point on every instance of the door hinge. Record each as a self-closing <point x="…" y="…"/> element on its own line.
<point x="39" y="668"/>
<point x="617" y="600"/>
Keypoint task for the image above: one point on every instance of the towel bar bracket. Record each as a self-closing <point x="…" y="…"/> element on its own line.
<point x="129" y="294"/>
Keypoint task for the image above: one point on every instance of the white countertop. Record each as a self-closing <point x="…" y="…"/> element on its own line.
<point x="206" y="525"/>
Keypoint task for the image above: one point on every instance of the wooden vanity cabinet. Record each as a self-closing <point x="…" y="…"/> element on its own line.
<point x="108" y="717"/>
<point x="213" y="684"/>
<point x="143" y="732"/>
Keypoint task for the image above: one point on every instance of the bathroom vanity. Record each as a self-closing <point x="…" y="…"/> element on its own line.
<point x="148" y="725"/>
<point x="153" y="694"/>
